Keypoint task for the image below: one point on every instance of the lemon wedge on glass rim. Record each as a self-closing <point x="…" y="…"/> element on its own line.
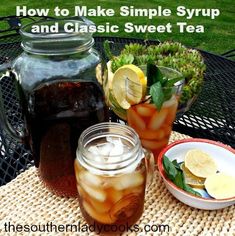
<point x="129" y="85"/>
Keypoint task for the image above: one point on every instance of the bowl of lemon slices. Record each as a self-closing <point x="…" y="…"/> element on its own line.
<point x="199" y="173"/>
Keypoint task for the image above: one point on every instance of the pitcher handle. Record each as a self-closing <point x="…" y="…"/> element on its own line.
<point x="150" y="166"/>
<point x="18" y="136"/>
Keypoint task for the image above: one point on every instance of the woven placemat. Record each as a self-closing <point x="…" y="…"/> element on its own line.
<point x="27" y="203"/>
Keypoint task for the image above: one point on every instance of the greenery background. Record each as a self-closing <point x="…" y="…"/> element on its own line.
<point x="219" y="33"/>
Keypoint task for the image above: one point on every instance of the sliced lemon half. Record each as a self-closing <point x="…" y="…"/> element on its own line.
<point x="117" y="109"/>
<point x="129" y="85"/>
<point x="191" y="179"/>
<point x="200" y="163"/>
<point x="220" y="186"/>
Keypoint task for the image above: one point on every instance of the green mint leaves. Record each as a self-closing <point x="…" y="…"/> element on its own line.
<point x="157" y="94"/>
<point x="175" y="174"/>
<point x="161" y="87"/>
<point x="154" y="75"/>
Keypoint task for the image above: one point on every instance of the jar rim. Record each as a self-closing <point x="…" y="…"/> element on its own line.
<point x="117" y="166"/>
<point x="58" y="42"/>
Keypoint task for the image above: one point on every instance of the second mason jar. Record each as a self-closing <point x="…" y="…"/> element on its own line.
<point x="60" y="97"/>
<point x="112" y="170"/>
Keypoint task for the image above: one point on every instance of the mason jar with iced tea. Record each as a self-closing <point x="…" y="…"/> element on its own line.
<point x="154" y="125"/>
<point x="112" y="171"/>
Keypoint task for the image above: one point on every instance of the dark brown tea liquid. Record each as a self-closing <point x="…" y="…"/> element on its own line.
<point x="57" y="113"/>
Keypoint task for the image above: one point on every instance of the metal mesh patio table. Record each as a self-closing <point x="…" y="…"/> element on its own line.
<point x="212" y="116"/>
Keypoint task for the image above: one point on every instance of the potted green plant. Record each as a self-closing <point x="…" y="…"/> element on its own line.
<point x="188" y="62"/>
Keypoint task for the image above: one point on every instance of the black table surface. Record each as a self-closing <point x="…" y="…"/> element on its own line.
<point x="212" y="116"/>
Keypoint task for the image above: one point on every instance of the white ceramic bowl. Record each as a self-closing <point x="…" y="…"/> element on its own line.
<point x="223" y="155"/>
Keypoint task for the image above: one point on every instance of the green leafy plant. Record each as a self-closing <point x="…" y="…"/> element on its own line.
<point x="122" y="60"/>
<point x="119" y="61"/>
<point x="187" y="61"/>
<point x="175" y="174"/>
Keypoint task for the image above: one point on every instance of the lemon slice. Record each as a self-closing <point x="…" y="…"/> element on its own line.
<point x="220" y="186"/>
<point x="117" y="109"/>
<point x="129" y="85"/>
<point x="200" y="163"/>
<point x="191" y="179"/>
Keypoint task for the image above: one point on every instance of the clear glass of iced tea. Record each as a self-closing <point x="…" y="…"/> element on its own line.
<point x="154" y="125"/>
<point x="112" y="171"/>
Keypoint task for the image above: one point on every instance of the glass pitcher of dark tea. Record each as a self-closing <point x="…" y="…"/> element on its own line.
<point x="55" y="79"/>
